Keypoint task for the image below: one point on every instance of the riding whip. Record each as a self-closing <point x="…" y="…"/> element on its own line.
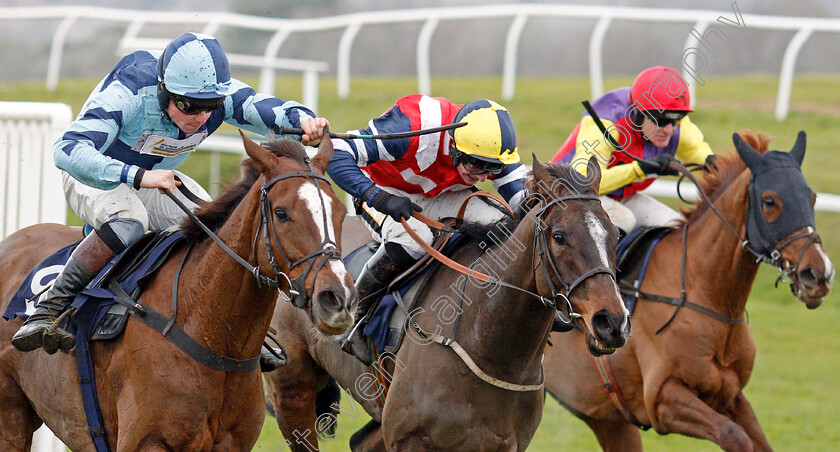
<point x="384" y="136"/>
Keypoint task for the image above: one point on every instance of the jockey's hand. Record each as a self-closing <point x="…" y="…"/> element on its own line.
<point x="160" y="179"/>
<point x="396" y="207"/>
<point x="711" y="163"/>
<point x="657" y="165"/>
<point x="314" y="130"/>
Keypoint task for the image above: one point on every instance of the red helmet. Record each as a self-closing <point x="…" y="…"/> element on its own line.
<point x="660" y="88"/>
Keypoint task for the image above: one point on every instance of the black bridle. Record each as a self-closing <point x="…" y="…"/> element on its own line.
<point x="551" y="272"/>
<point x="328" y="249"/>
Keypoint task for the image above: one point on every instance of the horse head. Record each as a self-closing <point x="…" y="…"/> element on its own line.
<point x="578" y="250"/>
<point x="299" y="231"/>
<point x="780" y="219"/>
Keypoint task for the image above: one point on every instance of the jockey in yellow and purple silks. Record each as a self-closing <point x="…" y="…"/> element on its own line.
<point x="649" y="120"/>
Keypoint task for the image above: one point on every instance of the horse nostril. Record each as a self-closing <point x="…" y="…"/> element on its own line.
<point x="808" y="277"/>
<point x="330" y="300"/>
<point x="608" y="328"/>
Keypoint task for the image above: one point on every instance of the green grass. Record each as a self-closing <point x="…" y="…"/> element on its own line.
<point x="791" y="386"/>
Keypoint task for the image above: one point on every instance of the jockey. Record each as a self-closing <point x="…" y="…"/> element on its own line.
<point x="392" y="178"/>
<point x="139" y="124"/>
<point x="649" y="120"/>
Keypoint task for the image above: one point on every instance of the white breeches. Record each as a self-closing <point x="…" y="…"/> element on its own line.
<point x="148" y="205"/>
<point x="639" y="210"/>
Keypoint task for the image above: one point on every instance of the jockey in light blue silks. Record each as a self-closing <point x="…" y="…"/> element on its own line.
<point x="139" y="124"/>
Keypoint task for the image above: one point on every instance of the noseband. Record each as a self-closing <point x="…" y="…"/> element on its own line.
<point x="551" y="271"/>
<point x="326" y="251"/>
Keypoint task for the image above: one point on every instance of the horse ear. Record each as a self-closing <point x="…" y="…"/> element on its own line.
<point x="749" y="155"/>
<point x="593" y="173"/>
<point x="538" y="169"/>
<point x="798" y="151"/>
<point x="324" y="155"/>
<point x="261" y="157"/>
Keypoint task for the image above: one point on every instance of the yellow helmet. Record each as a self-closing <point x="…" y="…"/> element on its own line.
<point x="488" y="141"/>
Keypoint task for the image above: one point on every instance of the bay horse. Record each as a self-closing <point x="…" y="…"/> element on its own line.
<point x="153" y="397"/>
<point x="436" y="400"/>
<point x="687" y="376"/>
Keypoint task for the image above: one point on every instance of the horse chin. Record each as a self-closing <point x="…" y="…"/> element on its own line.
<point x="596" y="348"/>
<point x="812" y="296"/>
<point x="329" y="330"/>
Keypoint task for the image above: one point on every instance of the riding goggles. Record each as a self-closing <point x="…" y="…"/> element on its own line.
<point x="192" y="106"/>
<point x="663" y="118"/>
<point x="474" y="165"/>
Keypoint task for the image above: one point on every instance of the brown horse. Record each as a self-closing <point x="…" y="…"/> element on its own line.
<point x="688" y="378"/>
<point x="561" y="249"/>
<point x="153" y="397"/>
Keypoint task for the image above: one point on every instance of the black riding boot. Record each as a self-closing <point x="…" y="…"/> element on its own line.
<point x="271" y="358"/>
<point x="382" y="268"/>
<point x="41" y="328"/>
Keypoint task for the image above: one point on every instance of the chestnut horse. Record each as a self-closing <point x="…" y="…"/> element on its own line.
<point x="153" y="397"/>
<point x="688" y="377"/>
<point x="563" y="248"/>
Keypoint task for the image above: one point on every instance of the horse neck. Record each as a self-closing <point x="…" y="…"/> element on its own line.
<point x="223" y="299"/>
<point x="512" y="325"/>
<point x="718" y="267"/>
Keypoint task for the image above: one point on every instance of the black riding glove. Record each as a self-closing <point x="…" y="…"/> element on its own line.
<point x="396" y="207"/>
<point x="657" y="165"/>
<point x="711" y="163"/>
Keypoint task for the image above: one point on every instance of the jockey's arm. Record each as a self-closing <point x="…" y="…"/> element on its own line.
<point x="591" y="142"/>
<point x="265" y="115"/>
<point x="80" y="149"/>
<point x="510" y="184"/>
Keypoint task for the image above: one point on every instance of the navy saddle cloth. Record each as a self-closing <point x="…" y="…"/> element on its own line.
<point x="632" y="259"/>
<point x="379" y="329"/>
<point x="132" y="268"/>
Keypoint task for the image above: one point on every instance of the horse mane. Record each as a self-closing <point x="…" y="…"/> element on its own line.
<point x="214" y="214"/>
<point x="562" y="174"/>
<point x="729" y="167"/>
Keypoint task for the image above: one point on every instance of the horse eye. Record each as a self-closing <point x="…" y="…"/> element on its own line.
<point x="769" y="202"/>
<point x="558" y="238"/>
<point x="281" y="214"/>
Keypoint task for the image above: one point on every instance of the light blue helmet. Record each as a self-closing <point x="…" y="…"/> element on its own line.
<point x="194" y="65"/>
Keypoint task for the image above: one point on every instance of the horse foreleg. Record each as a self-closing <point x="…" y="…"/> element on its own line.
<point x="616" y="436"/>
<point x="742" y="413"/>
<point x="368" y="438"/>
<point x="678" y="410"/>
<point x="17" y="418"/>
<point x="294" y="409"/>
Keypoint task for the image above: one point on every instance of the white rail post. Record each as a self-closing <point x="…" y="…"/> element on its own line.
<point x="424" y="84"/>
<point x="511" y="47"/>
<point x="788" y="66"/>
<point x="56" y="49"/>
<point x="268" y="70"/>
<point x="690" y="60"/>
<point x="596" y="68"/>
<point x="344" y="49"/>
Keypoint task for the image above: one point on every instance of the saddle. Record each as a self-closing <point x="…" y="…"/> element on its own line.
<point x="98" y="310"/>
<point x="632" y="258"/>
<point x="386" y="327"/>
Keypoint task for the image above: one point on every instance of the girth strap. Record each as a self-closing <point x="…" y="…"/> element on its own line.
<point x="180" y="338"/>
